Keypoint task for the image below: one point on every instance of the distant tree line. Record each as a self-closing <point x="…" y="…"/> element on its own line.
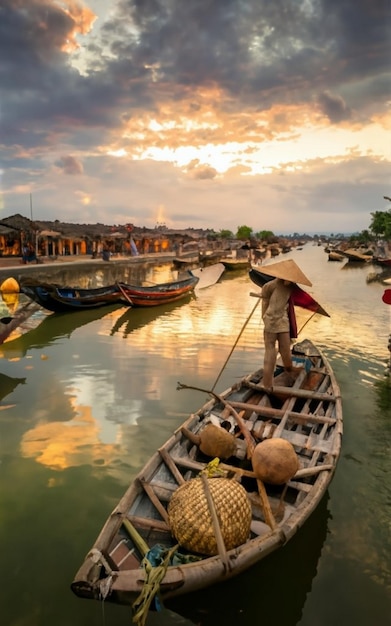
<point x="380" y="227"/>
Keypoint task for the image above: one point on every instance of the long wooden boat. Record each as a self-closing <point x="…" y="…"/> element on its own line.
<point x="58" y="299"/>
<point x="179" y="527"/>
<point x="354" y="256"/>
<point x="163" y="293"/>
<point x="336" y="256"/>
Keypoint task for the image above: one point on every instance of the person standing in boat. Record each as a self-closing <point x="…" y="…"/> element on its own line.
<point x="279" y="316"/>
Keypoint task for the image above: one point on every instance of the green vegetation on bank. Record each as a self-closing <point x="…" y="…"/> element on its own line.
<point x="380" y="227"/>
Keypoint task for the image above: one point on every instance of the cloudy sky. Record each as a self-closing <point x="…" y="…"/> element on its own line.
<point x="273" y="114"/>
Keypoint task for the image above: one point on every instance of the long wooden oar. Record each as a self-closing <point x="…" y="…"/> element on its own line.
<point x="236" y="343"/>
<point x="124" y="294"/>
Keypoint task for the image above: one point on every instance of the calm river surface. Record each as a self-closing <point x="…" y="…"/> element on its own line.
<point x="87" y="397"/>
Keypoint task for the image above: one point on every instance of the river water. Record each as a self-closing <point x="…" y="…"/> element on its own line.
<point x="85" y="398"/>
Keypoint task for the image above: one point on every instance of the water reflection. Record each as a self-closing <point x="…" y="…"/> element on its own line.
<point x="132" y="319"/>
<point x="49" y="328"/>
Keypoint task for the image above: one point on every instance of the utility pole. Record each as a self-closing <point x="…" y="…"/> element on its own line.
<point x="35" y="232"/>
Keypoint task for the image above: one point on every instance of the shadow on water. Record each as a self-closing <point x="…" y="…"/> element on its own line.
<point x="258" y="591"/>
<point x="383" y="395"/>
<point x="8" y="384"/>
<point x="53" y="327"/>
<point x="134" y="318"/>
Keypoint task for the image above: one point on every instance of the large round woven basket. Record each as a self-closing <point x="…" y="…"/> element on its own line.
<point x="191" y="521"/>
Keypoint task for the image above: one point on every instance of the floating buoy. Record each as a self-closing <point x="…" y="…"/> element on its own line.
<point x="10" y="285"/>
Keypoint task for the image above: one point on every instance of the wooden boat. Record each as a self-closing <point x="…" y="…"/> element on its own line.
<point x="236" y="264"/>
<point x="58" y="299"/>
<point x="208" y="275"/>
<point x="203" y="529"/>
<point x="383" y="261"/>
<point x="10" y="323"/>
<point x="336" y="256"/>
<point x="139" y="295"/>
<point x="186" y="262"/>
<point x="354" y="256"/>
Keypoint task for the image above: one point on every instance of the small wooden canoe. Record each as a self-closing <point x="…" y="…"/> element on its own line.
<point x="143" y="532"/>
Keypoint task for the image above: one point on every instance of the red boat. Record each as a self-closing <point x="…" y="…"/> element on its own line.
<point x="138" y="295"/>
<point x="383" y="261"/>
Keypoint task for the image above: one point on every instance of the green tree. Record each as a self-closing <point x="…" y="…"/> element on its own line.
<point x="381" y="223"/>
<point x="244" y="232"/>
<point x="266" y="235"/>
<point x="226" y="234"/>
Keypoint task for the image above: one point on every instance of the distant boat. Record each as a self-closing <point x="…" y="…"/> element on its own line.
<point x="357" y="257"/>
<point x="336" y="256"/>
<point x="383" y="261"/>
<point x="235" y="264"/>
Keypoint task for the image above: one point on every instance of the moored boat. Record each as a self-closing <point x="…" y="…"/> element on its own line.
<point x="199" y="513"/>
<point x="153" y="295"/>
<point x="235" y="264"/>
<point x="355" y="256"/>
<point x="336" y="256"/>
<point x="383" y="261"/>
<point x="59" y="299"/>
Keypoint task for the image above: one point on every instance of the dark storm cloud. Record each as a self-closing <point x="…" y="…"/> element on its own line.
<point x="69" y="165"/>
<point x="258" y="51"/>
<point x="334" y="107"/>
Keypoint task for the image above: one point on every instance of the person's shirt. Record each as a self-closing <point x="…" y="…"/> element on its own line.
<point x="275" y="301"/>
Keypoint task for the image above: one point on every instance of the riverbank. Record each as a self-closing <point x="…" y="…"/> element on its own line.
<point x="64" y="270"/>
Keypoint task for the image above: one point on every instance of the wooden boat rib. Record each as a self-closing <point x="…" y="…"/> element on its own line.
<point x="306" y="412"/>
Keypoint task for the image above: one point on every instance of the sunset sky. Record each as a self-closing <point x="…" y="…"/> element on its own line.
<point x="196" y="113"/>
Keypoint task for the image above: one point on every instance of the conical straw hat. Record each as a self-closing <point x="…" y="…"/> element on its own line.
<point x="286" y="270"/>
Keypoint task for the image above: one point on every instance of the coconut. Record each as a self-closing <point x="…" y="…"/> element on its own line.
<point x="275" y="461"/>
<point x="216" y="441"/>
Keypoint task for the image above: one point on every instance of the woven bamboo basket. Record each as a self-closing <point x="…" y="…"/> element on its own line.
<point x="191" y="520"/>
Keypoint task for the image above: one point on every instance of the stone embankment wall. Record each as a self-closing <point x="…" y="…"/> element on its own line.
<point x="86" y="273"/>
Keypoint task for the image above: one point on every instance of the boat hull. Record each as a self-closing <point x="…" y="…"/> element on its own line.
<point x="306" y="412"/>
